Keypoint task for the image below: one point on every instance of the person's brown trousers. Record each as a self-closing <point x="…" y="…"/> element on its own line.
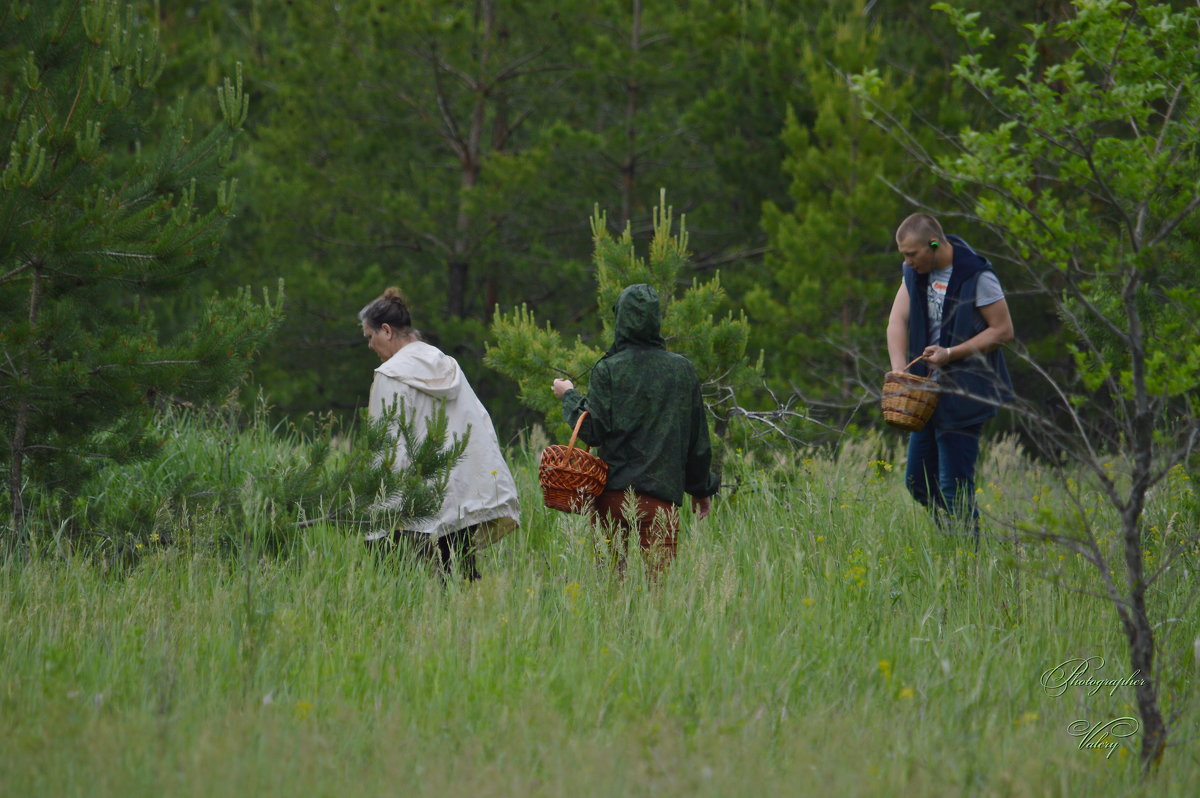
<point x="657" y="524"/>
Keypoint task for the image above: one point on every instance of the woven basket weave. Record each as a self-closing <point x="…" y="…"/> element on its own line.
<point x="571" y="477"/>
<point x="908" y="400"/>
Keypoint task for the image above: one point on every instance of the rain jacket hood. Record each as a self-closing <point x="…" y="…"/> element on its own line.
<point x="425" y="368"/>
<point x="639" y="319"/>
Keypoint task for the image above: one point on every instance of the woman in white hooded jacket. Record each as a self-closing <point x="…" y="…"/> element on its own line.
<point x="481" y="498"/>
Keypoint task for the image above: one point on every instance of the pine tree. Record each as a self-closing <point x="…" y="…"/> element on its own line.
<point x="832" y="269"/>
<point x="107" y="202"/>
<point x="534" y="355"/>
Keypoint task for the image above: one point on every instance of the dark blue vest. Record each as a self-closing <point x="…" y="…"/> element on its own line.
<point x="971" y="386"/>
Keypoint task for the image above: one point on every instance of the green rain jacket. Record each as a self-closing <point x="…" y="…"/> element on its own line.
<point x="646" y="417"/>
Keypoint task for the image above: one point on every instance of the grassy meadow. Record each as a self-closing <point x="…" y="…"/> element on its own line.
<point x="816" y="636"/>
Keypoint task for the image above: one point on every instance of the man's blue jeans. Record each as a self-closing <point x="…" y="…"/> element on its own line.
<point x="941" y="473"/>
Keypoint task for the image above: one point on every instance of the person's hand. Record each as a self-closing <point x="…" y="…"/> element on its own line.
<point x="937" y="356"/>
<point x="701" y="507"/>
<point x="561" y="386"/>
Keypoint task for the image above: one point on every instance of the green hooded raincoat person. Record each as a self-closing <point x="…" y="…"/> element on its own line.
<point x="646" y="417"/>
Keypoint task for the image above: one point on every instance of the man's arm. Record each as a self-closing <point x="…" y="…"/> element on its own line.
<point x="998" y="332"/>
<point x="897" y="330"/>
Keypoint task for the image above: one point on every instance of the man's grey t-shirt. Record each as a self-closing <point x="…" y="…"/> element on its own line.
<point x="987" y="292"/>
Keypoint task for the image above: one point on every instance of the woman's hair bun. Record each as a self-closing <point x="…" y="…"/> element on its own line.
<point x="388" y="308"/>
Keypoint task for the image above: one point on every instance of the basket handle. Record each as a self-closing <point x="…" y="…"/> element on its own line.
<point x="916" y="360"/>
<point x="583" y="447"/>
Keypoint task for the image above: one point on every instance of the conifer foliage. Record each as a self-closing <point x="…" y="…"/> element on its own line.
<point x="831" y="273"/>
<point x="223" y="481"/>
<point x="534" y="356"/>
<point x="107" y="202"/>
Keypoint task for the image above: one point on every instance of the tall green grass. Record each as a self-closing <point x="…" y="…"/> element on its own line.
<point x="816" y="636"/>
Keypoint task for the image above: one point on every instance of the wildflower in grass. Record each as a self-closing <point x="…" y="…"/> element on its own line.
<point x="1179" y="480"/>
<point x="820" y="538"/>
<point x="154" y="537"/>
<point x="857" y="571"/>
<point x="1026" y="718"/>
<point x="855" y="575"/>
<point x="885" y="669"/>
<point x="906" y="692"/>
<point x="573" y="590"/>
<point x="302" y="709"/>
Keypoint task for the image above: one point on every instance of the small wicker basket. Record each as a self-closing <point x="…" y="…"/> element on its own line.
<point x="571" y="477"/>
<point x="908" y="400"/>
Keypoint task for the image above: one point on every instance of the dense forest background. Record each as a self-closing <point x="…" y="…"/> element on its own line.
<point x="457" y="150"/>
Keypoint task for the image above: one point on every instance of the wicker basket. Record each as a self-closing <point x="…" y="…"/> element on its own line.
<point x="570" y="476"/>
<point x="908" y="400"/>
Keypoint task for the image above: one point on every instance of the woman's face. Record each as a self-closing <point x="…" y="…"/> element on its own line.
<point x="383" y="341"/>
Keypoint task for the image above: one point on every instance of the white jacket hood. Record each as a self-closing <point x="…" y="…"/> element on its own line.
<point x="425" y="368"/>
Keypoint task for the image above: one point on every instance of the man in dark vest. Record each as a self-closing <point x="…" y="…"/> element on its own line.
<point x="951" y="311"/>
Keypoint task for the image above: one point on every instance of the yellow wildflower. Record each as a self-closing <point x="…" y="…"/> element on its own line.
<point x="302" y="709"/>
